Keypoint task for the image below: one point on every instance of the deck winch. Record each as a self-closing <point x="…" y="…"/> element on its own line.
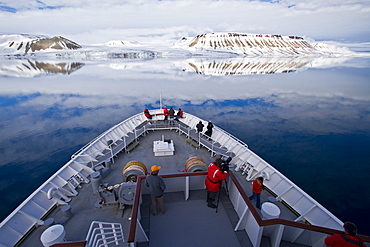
<point x="133" y="169"/>
<point x="123" y="193"/>
<point x="126" y="194"/>
<point x="195" y="164"/>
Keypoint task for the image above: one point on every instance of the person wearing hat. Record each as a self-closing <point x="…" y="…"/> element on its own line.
<point x="157" y="187"/>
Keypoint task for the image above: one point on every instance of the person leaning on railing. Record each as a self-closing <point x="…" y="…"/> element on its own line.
<point x="179" y="114"/>
<point x="147" y="113"/>
<point x="348" y="239"/>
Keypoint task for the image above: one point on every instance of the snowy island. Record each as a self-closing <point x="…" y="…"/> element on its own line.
<point x="211" y="44"/>
<point x="216" y="54"/>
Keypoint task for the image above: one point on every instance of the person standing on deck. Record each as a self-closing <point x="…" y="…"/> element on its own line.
<point x="199" y="127"/>
<point x="157" y="187"/>
<point x="209" y="129"/>
<point x="348" y="239"/>
<point x="165" y="113"/>
<point x="171" y="113"/>
<point x="213" y="181"/>
<point x="257" y="187"/>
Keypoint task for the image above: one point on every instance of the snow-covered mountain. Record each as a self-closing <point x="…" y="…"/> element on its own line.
<point x="122" y="43"/>
<point x="26" y="44"/>
<point x="258" y="45"/>
<point x="210" y="45"/>
<point x="217" y="54"/>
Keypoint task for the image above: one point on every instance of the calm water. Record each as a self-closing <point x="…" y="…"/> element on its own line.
<point x="312" y="124"/>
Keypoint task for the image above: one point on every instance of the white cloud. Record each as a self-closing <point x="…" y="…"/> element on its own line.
<point x="317" y="4"/>
<point x="101" y="21"/>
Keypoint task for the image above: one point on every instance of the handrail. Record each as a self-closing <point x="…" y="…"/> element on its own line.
<point x="257" y="217"/>
<point x="71" y="244"/>
<point x="135" y="208"/>
<point x="278" y="221"/>
<point x="104" y="134"/>
<point x="87" y="146"/>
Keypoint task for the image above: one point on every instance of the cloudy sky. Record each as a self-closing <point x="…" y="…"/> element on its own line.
<point x="97" y="21"/>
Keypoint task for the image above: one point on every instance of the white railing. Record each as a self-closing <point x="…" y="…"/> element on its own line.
<point x="253" y="166"/>
<point x="30" y="212"/>
<point x="285" y="190"/>
<point x="104" y="234"/>
<point x="288" y="230"/>
<point x="112" y="141"/>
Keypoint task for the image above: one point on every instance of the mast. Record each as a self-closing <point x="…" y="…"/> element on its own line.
<point x="160" y="99"/>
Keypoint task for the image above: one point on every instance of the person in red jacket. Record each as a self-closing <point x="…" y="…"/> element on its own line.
<point x="345" y="240"/>
<point x="213" y="181"/>
<point x="179" y="114"/>
<point x="165" y="113"/>
<point x="147" y="113"/>
<point x="257" y="187"/>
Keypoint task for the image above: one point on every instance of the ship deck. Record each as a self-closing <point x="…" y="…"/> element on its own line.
<point x="185" y="223"/>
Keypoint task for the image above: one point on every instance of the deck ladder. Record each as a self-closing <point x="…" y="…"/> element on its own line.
<point x="104" y="234"/>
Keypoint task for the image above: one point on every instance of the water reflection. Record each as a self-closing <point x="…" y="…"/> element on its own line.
<point x="204" y="65"/>
<point x="255" y="65"/>
<point x="313" y="125"/>
<point x="33" y="68"/>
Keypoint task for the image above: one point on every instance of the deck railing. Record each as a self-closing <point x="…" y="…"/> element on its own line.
<point x="316" y="233"/>
<point x="118" y="138"/>
<point x="104" y="234"/>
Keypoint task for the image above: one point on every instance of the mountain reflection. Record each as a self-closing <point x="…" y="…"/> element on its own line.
<point x="32" y="68"/>
<point x="203" y="65"/>
<point x="255" y="65"/>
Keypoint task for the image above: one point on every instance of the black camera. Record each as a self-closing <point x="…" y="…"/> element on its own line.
<point x="224" y="167"/>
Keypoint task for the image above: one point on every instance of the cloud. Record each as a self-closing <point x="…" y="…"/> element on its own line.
<point x="318" y="4"/>
<point x="100" y="21"/>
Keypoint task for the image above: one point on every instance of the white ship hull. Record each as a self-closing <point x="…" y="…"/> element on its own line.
<point x="307" y="222"/>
